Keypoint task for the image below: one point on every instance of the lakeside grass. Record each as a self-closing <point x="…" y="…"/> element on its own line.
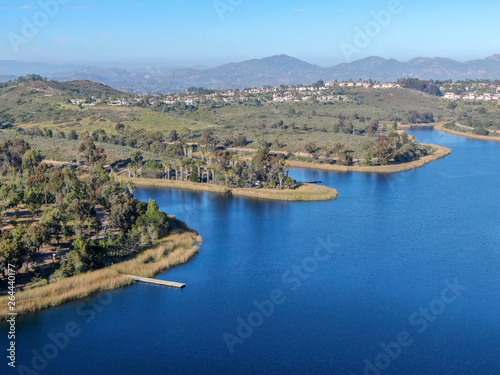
<point x="305" y="192"/>
<point x="185" y="185"/>
<point x="467" y="135"/>
<point x="440" y="152"/>
<point x="416" y="126"/>
<point x="177" y="248"/>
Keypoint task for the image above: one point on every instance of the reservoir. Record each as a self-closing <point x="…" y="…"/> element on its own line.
<point x="399" y="275"/>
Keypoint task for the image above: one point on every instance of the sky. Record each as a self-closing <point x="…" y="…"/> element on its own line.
<point x="178" y="33"/>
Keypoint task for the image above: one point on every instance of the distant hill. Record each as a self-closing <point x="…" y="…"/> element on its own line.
<point x="272" y="71"/>
<point x="73" y="89"/>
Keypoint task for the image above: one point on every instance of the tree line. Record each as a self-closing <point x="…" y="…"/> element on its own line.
<point x="64" y="204"/>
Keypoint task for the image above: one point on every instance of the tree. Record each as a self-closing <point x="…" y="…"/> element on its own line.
<point x="208" y="139"/>
<point x="345" y="158"/>
<point x="31" y="160"/>
<point x="12" y="251"/>
<point x="72" y="134"/>
<point x="40" y="179"/>
<point x="34" y="236"/>
<point x="52" y="221"/>
<point x="152" y="169"/>
<point x="383" y="150"/>
<point x="12" y="152"/>
<point x="194" y="177"/>
<point x="91" y="154"/>
<point x="136" y="158"/>
<point x="151" y="225"/>
<point x="90" y="253"/>
<point x="173" y="136"/>
<point x="311" y="148"/>
<point x="124" y="213"/>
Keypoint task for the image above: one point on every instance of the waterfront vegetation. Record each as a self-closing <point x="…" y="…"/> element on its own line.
<point x="176" y="248"/>
<point x="73" y="228"/>
<point x="58" y="222"/>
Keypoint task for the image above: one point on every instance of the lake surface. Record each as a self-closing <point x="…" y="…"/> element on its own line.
<point x="400" y="275"/>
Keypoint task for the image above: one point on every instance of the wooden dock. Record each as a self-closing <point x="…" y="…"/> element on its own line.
<point x="170" y="284"/>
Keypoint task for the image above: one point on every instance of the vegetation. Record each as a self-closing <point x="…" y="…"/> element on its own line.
<point x="42" y="110"/>
<point x="178" y="247"/>
<point x="429" y="87"/>
<point x="81" y="215"/>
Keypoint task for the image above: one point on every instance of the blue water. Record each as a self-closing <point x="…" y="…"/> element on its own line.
<point x="391" y="245"/>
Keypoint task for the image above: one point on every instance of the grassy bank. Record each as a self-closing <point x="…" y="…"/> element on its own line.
<point x="468" y="135"/>
<point x="185" y="185"/>
<point x="416" y="126"/>
<point x="439" y="153"/>
<point x="178" y="247"/>
<point x="305" y="192"/>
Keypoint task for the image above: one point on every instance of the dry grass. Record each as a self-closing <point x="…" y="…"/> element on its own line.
<point x="176" y="248"/>
<point x="305" y="192"/>
<point x="65" y="290"/>
<point x="439" y="153"/>
<point x="468" y="135"/>
<point x="186" y="185"/>
<point x="416" y="126"/>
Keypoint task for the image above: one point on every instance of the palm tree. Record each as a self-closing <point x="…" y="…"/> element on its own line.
<point x="181" y="169"/>
<point x="167" y="167"/>
<point x="234" y="160"/>
<point x="189" y="151"/>
<point x="177" y="168"/>
<point x="210" y="155"/>
<point x="281" y="176"/>
<point x="199" y="164"/>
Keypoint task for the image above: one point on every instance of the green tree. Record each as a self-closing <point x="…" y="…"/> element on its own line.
<point x="91" y="154"/>
<point x="40" y="179"/>
<point x="11" y="251"/>
<point x="72" y="134"/>
<point x="52" y="221"/>
<point x="194" y="177"/>
<point x="124" y="213"/>
<point x="31" y="159"/>
<point x="173" y="136"/>
<point x="136" y="158"/>
<point x="90" y="253"/>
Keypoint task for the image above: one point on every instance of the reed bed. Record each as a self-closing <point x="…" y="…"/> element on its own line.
<point x="440" y="152"/>
<point x="65" y="290"/>
<point x="468" y="135"/>
<point x="178" y="247"/>
<point x="185" y="185"/>
<point x="175" y="249"/>
<point x="305" y="192"/>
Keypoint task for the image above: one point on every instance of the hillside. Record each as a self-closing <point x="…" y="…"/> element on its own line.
<point x="272" y="71"/>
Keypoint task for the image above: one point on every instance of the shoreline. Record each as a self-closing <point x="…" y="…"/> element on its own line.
<point x="467" y="135"/>
<point x="176" y="248"/>
<point x="440" y="153"/>
<point x="304" y="193"/>
<point x="184" y="185"/>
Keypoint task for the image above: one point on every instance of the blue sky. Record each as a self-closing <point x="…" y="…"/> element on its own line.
<point x="210" y="32"/>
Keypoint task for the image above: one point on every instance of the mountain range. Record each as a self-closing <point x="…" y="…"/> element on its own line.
<point x="272" y="71"/>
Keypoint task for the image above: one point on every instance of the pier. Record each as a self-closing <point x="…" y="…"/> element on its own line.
<point x="170" y="284"/>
